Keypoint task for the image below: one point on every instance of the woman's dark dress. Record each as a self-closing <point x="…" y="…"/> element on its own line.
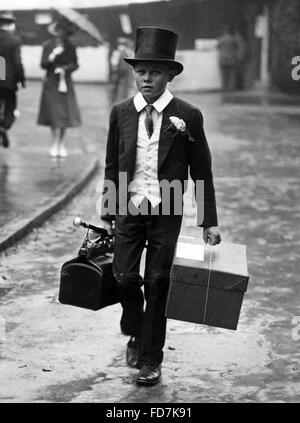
<point x="58" y="109"/>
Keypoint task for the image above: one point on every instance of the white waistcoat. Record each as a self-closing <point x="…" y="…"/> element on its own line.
<point x="145" y="181"/>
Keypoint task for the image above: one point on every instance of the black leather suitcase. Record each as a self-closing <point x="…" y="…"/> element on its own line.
<point x="87" y="281"/>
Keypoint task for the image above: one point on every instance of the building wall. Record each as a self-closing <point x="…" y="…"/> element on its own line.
<point x="192" y="19"/>
<point x="93" y="63"/>
<point x="201" y="69"/>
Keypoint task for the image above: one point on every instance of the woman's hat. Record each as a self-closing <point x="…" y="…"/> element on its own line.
<point x="156" y="45"/>
<point x="53" y="27"/>
<point x="7" y="17"/>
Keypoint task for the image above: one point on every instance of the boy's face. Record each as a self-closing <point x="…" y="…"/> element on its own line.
<point x="151" y="79"/>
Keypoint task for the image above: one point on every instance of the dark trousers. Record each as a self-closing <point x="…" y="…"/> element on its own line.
<point x="228" y="74"/>
<point x="7" y="106"/>
<point x="161" y="233"/>
<point x="240" y="75"/>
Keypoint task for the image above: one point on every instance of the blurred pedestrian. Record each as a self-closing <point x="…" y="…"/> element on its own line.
<point x="122" y="76"/>
<point x="58" y="107"/>
<point x="228" y="59"/>
<point x="241" y="54"/>
<point x="10" y="51"/>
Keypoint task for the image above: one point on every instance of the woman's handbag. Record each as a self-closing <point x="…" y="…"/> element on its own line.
<point x="87" y="280"/>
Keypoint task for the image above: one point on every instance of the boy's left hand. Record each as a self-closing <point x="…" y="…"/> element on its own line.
<point x="211" y="235"/>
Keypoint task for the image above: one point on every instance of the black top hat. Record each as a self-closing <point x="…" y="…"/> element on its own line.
<point x="7" y="17"/>
<point x="155" y="45"/>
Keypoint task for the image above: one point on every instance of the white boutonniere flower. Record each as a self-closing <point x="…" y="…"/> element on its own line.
<point x="179" y="126"/>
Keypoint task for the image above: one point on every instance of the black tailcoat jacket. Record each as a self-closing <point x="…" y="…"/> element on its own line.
<point x="177" y="152"/>
<point x="10" y="46"/>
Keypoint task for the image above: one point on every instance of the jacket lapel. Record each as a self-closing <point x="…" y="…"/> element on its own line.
<point x="166" y="139"/>
<point x="130" y="128"/>
<point x="130" y="119"/>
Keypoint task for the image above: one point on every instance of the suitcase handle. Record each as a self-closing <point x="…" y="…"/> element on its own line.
<point x="78" y="222"/>
<point x="102" y="244"/>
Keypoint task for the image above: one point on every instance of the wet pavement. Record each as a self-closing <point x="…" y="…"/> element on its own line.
<point x="264" y="96"/>
<point x="57" y="353"/>
<point x="32" y="184"/>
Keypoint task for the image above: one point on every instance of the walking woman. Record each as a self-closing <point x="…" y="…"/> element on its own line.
<point x="58" y="108"/>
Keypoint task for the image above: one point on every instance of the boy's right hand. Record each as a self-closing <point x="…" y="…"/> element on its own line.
<point x="105" y="224"/>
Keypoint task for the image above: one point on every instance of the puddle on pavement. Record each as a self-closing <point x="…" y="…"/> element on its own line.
<point x="4" y="291"/>
<point x="65" y="392"/>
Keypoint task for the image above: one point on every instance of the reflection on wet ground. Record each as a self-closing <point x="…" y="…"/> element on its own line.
<point x="260" y="100"/>
<point x="29" y="179"/>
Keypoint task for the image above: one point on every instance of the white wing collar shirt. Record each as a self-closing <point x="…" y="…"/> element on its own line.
<point x="145" y="179"/>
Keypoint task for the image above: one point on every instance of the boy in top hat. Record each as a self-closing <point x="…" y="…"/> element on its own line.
<point x="145" y="148"/>
<point x="10" y="46"/>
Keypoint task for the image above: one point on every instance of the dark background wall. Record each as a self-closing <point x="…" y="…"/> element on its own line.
<point x="190" y="18"/>
<point x="194" y="19"/>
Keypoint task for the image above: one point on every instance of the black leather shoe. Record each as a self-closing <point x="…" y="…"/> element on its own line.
<point x="149" y="374"/>
<point x="133" y="352"/>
